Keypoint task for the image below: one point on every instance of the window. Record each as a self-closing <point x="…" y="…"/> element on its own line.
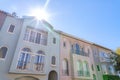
<point x="39" y="61"/>
<point x="53" y="60"/>
<point x="54" y="40"/>
<point x="88" y="52"/>
<point x="104" y="68"/>
<point x="94" y="77"/>
<point x="77" y="49"/>
<point x="92" y="67"/>
<point x="98" y="68"/>
<point x="24" y="59"/>
<point x="111" y="69"/>
<point x="65" y="70"/>
<point x="11" y="28"/>
<point x="35" y="36"/>
<point x="82" y="51"/>
<point x="79" y="68"/>
<point x="86" y="69"/>
<point x="72" y="48"/>
<point x="3" y="51"/>
<point x="64" y="44"/>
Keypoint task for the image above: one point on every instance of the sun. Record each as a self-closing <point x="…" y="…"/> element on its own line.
<point x="39" y="14"/>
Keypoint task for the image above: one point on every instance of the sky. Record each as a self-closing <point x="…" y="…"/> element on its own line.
<point x="96" y="21"/>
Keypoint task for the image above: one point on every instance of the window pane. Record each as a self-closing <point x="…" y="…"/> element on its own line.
<point x="26" y="36"/>
<point x="24" y="59"/>
<point x="53" y="60"/>
<point x="11" y="28"/>
<point x="77" y="49"/>
<point x="44" y="40"/>
<point x="3" y="52"/>
<point x="54" y="40"/>
<point x="32" y="36"/>
<point x="38" y="38"/>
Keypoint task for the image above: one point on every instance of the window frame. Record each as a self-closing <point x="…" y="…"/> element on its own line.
<point x="53" y="60"/>
<point x="9" y="29"/>
<point x="21" y="51"/>
<point x="54" y="40"/>
<point x="27" y="39"/>
<point x="6" y="53"/>
<point x="40" y="57"/>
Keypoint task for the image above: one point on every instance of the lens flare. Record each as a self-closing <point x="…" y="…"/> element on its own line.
<point x="39" y="14"/>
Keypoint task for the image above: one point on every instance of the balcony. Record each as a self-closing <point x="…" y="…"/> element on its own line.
<point x="86" y="73"/>
<point x="22" y="65"/>
<point x="105" y="59"/>
<point x="65" y="72"/>
<point x="79" y="52"/>
<point x="80" y="73"/>
<point x="83" y="73"/>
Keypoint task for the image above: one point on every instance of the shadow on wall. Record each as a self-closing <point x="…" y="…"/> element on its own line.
<point x="26" y="78"/>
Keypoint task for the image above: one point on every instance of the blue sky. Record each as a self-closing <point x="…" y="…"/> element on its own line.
<point x="97" y="21"/>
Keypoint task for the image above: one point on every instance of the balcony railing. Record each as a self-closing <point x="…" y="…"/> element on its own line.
<point x="39" y="67"/>
<point x="65" y="72"/>
<point x="83" y="73"/>
<point x="79" y="52"/>
<point x="80" y="73"/>
<point x="104" y="59"/>
<point x="22" y="65"/>
<point x="86" y="73"/>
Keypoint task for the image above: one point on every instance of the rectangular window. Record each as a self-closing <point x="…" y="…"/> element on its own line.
<point x="26" y="36"/>
<point x="11" y="28"/>
<point x="64" y="44"/>
<point x="38" y="38"/>
<point x="35" y="36"/>
<point x="32" y="36"/>
<point x="92" y="67"/>
<point x="54" y="40"/>
<point x="44" y="40"/>
<point x="98" y="68"/>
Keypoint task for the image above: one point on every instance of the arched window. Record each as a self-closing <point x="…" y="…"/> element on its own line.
<point x="65" y="67"/>
<point x="79" y="68"/>
<point x="86" y="69"/>
<point x="3" y="51"/>
<point x="77" y="49"/>
<point x="24" y="59"/>
<point x="39" y="61"/>
<point x="53" y="60"/>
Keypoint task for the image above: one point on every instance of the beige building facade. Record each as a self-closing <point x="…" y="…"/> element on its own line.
<point x="76" y="58"/>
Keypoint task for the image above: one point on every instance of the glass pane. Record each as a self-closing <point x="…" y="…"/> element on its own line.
<point x="32" y="36"/>
<point x="11" y="28"/>
<point x="38" y="38"/>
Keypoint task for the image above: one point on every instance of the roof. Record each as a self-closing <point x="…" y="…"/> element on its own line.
<point x="83" y="40"/>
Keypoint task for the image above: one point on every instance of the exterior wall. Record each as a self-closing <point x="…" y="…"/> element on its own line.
<point x="2" y="18"/>
<point x="66" y="53"/>
<point x="102" y="62"/>
<point x="50" y="50"/>
<point x="76" y="58"/>
<point x="8" y="40"/>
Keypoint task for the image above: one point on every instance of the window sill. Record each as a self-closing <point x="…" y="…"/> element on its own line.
<point x="53" y="65"/>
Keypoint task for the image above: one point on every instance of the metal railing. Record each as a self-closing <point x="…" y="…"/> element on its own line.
<point x="65" y="72"/>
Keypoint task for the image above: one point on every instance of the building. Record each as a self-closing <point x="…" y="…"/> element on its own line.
<point x="76" y="58"/>
<point x="103" y="63"/>
<point x="29" y="49"/>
